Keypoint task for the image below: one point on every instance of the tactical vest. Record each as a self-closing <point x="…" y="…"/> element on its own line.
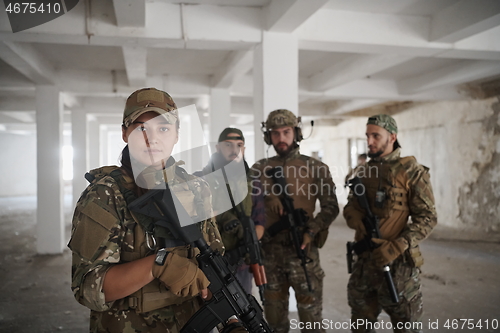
<point x="387" y="191"/>
<point x="154" y="295"/>
<point x="300" y="173"/>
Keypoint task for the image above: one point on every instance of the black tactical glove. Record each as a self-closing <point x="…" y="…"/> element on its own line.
<point x="233" y="227"/>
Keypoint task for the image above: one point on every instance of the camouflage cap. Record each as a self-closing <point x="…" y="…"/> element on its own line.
<point x="230" y="130"/>
<point x="149" y="99"/>
<point x="385" y="121"/>
<point x="280" y="118"/>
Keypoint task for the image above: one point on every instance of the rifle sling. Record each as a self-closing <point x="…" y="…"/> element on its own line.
<point x="147" y="223"/>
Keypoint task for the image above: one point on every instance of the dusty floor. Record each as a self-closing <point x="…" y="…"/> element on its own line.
<point x="461" y="280"/>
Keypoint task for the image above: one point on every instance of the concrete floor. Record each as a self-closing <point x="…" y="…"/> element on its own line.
<point x="460" y="280"/>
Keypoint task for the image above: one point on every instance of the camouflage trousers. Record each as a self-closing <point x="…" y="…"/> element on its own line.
<point x="283" y="270"/>
<point x="368" y="295"/>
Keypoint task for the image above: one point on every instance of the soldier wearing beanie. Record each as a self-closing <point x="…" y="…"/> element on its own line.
<point x="307" y="181"/>
<point x="396" y="188"/>
<point x="118" y="271"/>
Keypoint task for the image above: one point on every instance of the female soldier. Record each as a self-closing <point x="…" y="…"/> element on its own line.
<point x="114" y="271"/>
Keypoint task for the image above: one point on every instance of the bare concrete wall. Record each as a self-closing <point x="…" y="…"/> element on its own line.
<point x="18" y="164"/>
<point x="479" y="199"/>
<point x="458" y="140"/>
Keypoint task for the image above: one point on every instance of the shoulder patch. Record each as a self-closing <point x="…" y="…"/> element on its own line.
<point x="408" y="160"/>
<point x="99" y="215"/>
<point x="410" y="164"/>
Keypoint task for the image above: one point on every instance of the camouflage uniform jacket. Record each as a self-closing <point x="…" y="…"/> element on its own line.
<point x="308" y="180"/>
<point x="408" y="190"/>
<point x="104" y="233"/>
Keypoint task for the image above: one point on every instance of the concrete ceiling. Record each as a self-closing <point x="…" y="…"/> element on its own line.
<point x="352" y="54"/>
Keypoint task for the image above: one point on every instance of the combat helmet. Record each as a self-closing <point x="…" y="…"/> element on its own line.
<point x="281" y="118"/>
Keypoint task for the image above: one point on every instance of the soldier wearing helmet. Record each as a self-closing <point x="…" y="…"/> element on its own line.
<point x="396" y="188"/>
<point x="307" y="181"/>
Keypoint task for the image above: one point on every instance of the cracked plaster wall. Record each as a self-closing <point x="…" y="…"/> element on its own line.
<point x="458" y="140"/>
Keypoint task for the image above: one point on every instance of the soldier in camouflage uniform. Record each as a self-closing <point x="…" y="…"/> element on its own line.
<point x="396" y="188"/>
<point x="308" y="180"/>
<point x="117" y="269"/>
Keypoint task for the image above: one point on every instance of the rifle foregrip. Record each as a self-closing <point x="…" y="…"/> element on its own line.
<point x="390" y="284"/>
<point x="263" y="274"/>
<point x="258" y="274"/>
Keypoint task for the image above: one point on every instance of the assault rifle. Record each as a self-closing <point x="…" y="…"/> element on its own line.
<point x="250" y="245"/>
<point x="371" y="224"/>
<point x="228" y="296"/>
<point x="294" y="219"/>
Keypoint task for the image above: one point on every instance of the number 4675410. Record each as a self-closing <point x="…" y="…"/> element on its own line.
<point x="471" y="324"/>
<point x="32" y="8"/>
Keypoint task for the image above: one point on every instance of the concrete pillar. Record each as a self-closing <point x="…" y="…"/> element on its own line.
<point x="80" y="155"/>
<point x="104" y="144"/>
<point x="93" y="149"/>
<point x="276" y="80"/>
<point x="220" y="108"/>
<point x="50" y="203"/>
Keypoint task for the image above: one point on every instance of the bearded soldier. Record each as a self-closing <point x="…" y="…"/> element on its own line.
<point x="396" y="188"/>
<point x="230" y="155"/>
<point x="307" y="181"/>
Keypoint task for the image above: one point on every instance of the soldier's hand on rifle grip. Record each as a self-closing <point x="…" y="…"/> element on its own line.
<point x="181" y="275"/>
<point x="387" y="251"/>
<point x="307" y="239"/>
<point x="275" y="205"/>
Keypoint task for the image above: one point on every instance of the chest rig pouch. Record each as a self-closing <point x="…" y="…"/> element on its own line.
<point x="387" y="190"/>
<point x="142" y="239"/>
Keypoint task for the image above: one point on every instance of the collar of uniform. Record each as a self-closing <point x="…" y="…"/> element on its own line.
<point x="153" y="177"/>
<point x="394" y="156"/>
<point x="128" y="181"/>
<point x="292" y="154"/>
